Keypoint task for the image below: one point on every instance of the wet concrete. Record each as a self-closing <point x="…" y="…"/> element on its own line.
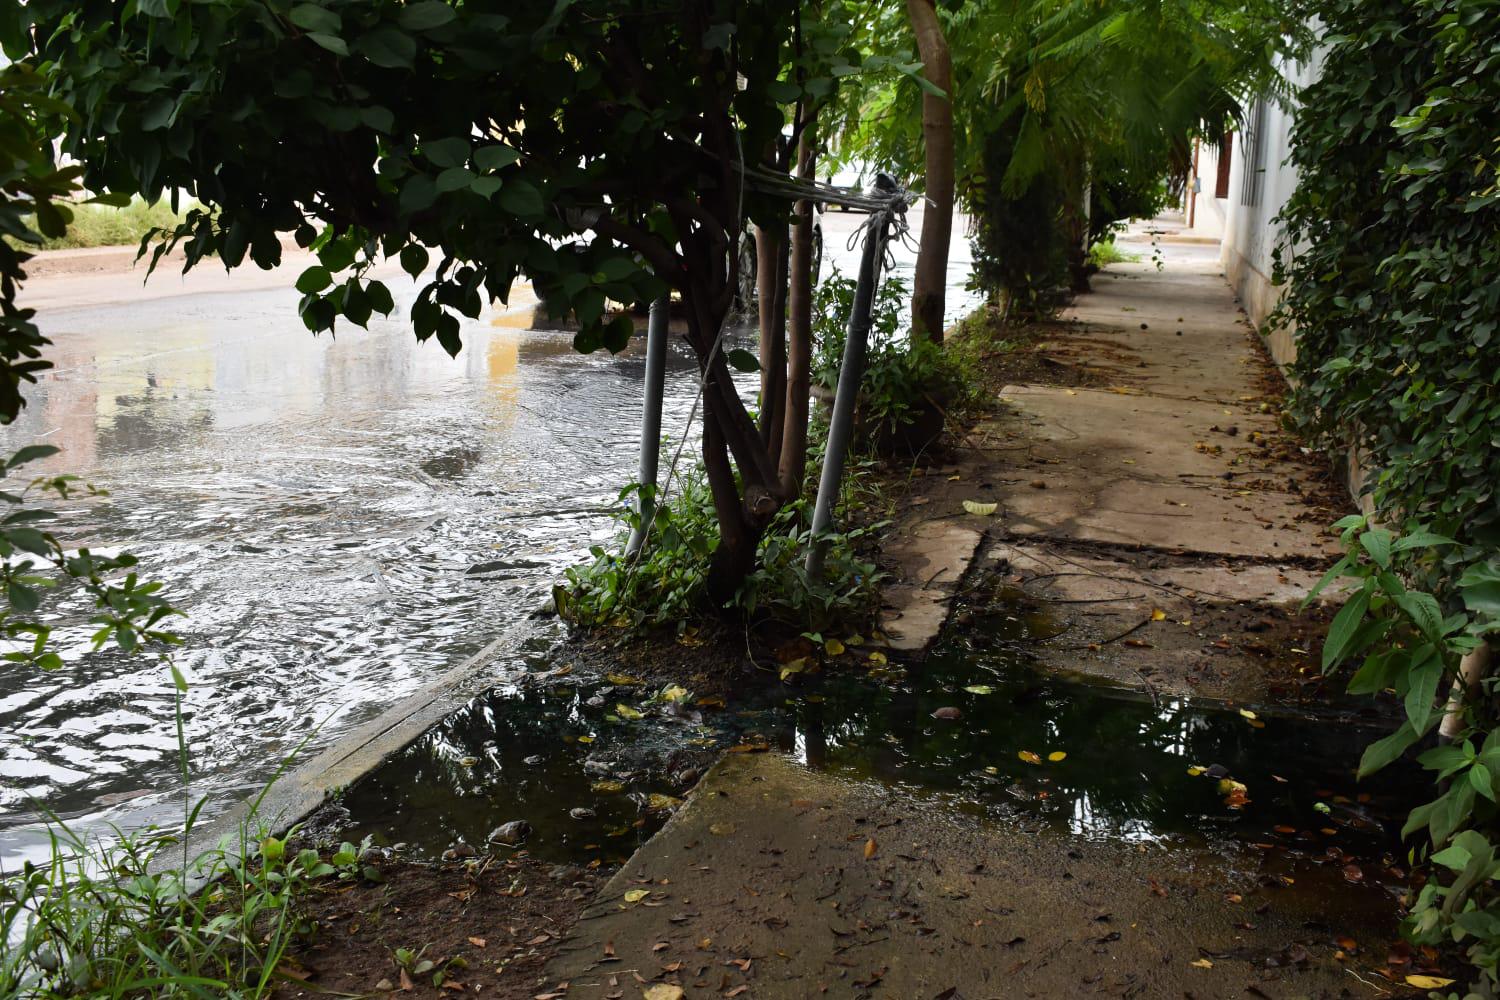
<point x="781" y="882"/>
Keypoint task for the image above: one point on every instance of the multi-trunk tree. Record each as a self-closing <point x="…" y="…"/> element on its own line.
<point x="595" y="148"/>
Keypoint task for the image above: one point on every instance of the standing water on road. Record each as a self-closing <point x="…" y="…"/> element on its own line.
<point x="342" y="518"/>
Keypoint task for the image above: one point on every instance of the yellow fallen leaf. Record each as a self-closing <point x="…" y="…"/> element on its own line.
<point x="658" y="801"/>
<point x="1029" y="757"/>
<point x="674" y="692"/>
<point x="662" y="991"/>
<point x="1202" y="963"/>
<point x="877" y="657"/>
<point x="954" y="479"/>
<point x="833" y="647"/>
<point x="1247" y="713"/>
<point x="870" y="848"/>
<point x="1158" y="615"/>
<point x="607" y="786"/>
<point x="623" y="680"/>
<point x="585" y="739"/>
<point x="626" y="712"/>
<point x="854" y="640"/>
<point x="980" y="509"/>
<point x="1427" y="982"/>
<point x="1195" y="770"/>
<point x="1057" y="755"/>
<point x="636" y="895"/>
<point x="979" y="689"/>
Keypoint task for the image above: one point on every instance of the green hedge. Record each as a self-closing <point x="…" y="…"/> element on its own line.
<point x="1394" y="285"/>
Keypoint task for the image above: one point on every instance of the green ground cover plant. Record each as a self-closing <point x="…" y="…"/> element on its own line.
<point x="1389" y="264"/>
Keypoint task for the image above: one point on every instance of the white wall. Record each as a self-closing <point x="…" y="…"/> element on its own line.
<point x="1257" y="192"/>
<point x="1204" y="213"/>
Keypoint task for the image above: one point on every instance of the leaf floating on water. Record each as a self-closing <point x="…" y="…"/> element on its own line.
<point x="1029" y="757"/>
<point x="979" y="689"/>
<point x="854" y="640"/>
<point x="623" y="680"/>
<point x="870" y="848"/>
<point x="1428" y="982"/>
<point x="1323" y="807"/>
<point x="636" y="895"/>
<point x="658" y="801"/>
<point x="980" y="509"/>
<point x="948" y="712"/>
<point x="607" y="786"/>
<point x="834" y="647"/>
<point x="626" y="712"/>
<point x="878" y="658"/>
<point x="1057" y="755"/>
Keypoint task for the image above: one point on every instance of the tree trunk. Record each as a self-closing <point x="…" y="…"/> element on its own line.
<point x="770" y="277"/>
<point x="929" y="284"/>
<point x="793" y="465"/>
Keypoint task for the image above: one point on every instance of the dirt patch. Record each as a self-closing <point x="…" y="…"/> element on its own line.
<point x="487" y="926"/>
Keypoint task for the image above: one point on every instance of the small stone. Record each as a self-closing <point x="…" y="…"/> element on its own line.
<point x="533" y="760"/>
<point x="1039" y="484"/>
<point x="582" y="812"/>
<point x="510" y="834"/>
<point x="596" y="701"/>
<point x="458" y="852"/>
<point x="598" y="767"/>
<point x="1144" y="327"/>
<point x="384" y="986"/>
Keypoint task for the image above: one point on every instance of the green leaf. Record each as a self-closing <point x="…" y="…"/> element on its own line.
<point x="1423" y="692"/>
<point x="450" y="152"/>
<point x="520" y="197"/>
<point x="314" y="279"/>
<point x="418" y="193"/>
<point x="413" y="259"/>
<point x="1377" y="542"/>
<point x="1382" y="752"/>
<point x="388" y="47"/>
<point x="453" y="179"/>
<point x="491" y="158"/>
<point x="1479" y="586"/>
<point x="380" y="298"/>
<point x="30" y="453"/>
<point x="313" y="17"/>
<point x="485" y="186"/>
<point x="426" y="15"/>
<point x="1342" y="630"/>
<point x="1424" y="612"/>
<point x="333" y="43"/>
<point x="22" y="598"/>
<point x="742" y="360"/>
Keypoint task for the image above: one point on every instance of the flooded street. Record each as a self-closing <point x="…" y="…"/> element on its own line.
<point x="342" y="518"/>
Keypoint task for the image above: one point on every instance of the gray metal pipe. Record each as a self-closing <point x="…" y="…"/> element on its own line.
<point x="656" y="370"/>
<point x="851" y="372"/>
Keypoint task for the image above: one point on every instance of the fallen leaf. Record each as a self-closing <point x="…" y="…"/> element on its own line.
<point x="979" y="689"/>
<point x="1428" y="982"/>
<point x="833" y="647"/>
<point x="721" y="829"/>
<point x="980" y="509"/>
<point x="636" y="895"/>
<point x="877" y="657"/>
<point x="626" y="712"/>
<point x="406" y="984"/>
<point x="607" y="786"/>
<point x="1202" y="963"/>
<point x="662" y="991"/>
<point x="658" y="801"/>
<point x="623" y="680"/>
<point x="870" y="848"/>
<point x="477" y="942"/>
<point x="1247" y="713"/>
<point x="1029" y="757"/>
<point x="947" y="712"/>
<point x="674" y="693"/>
<point x="1057" y="755"/>
<point x="1158" y="615"/>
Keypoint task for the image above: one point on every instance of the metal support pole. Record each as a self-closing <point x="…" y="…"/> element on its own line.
<point x="851" y="371"/>
<point x="656" y="369"/>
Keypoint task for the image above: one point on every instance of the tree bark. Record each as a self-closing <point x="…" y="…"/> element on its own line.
<point x="929" y="284"/>
<point x="792" y="468"/>
<point x="770" y="278"/>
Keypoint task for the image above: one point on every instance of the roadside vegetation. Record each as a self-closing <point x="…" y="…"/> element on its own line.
<point x="429" y="133"/>
<point x="1398" y="359"/>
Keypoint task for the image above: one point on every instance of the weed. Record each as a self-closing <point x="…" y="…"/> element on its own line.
<point x="1107" y="252"/>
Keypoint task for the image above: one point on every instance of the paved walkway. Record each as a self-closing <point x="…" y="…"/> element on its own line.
<point x="1160" y="502"/>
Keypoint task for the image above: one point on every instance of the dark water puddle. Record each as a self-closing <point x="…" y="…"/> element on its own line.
<point x="1095" y="762"/>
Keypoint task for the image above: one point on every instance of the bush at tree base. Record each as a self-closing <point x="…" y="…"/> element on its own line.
<point x="1390" y="267"/>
